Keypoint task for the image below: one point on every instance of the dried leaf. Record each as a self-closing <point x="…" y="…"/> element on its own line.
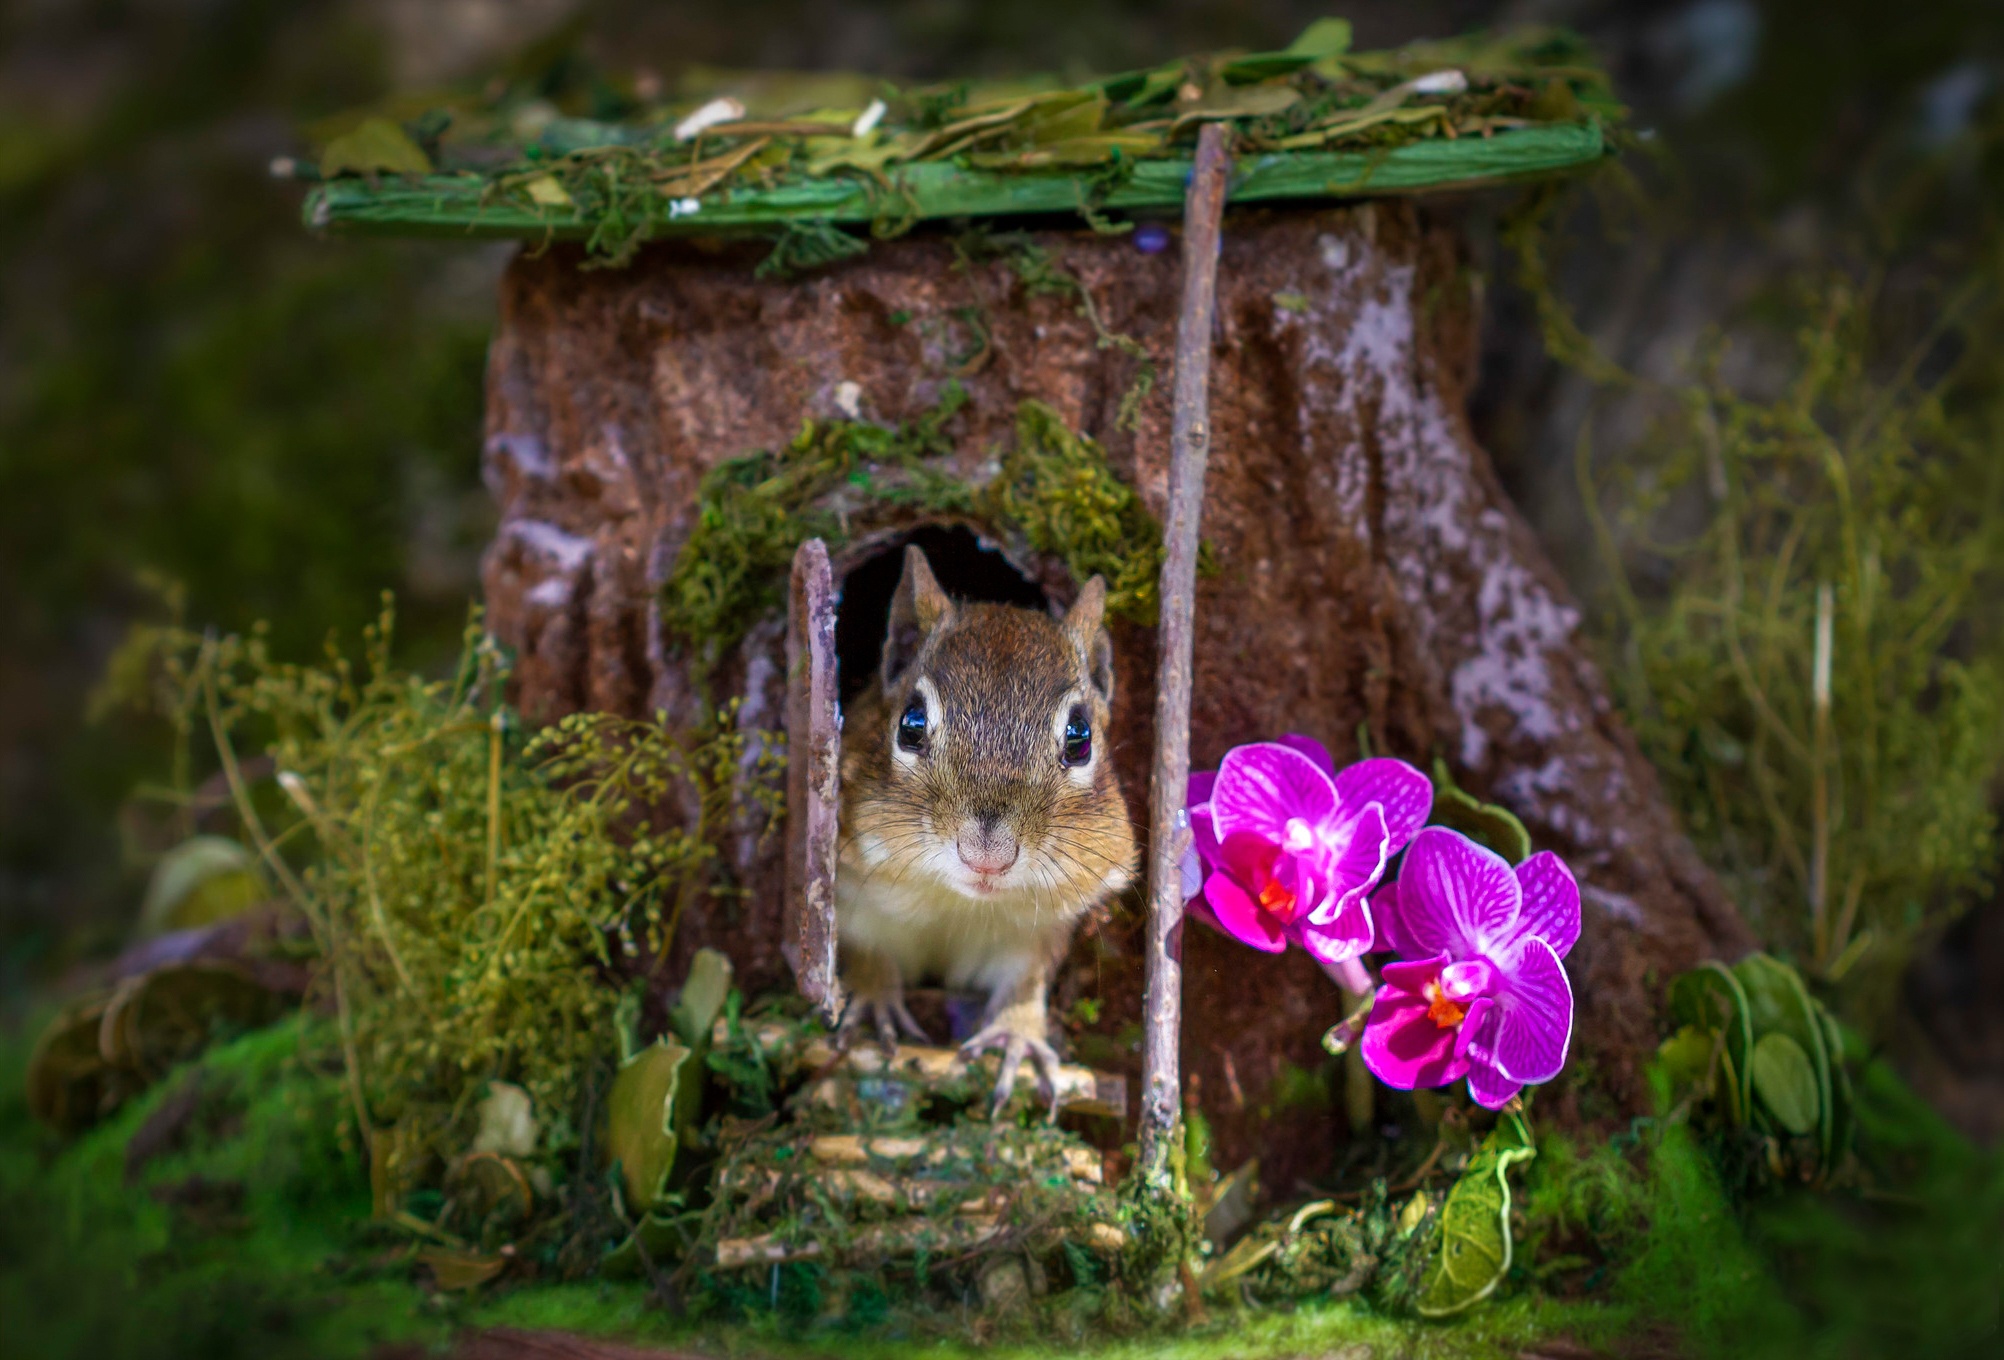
<point x="545" y="190"/>
<point x="201" y="880"/>
<point x="457" y="1270"/>
<point x="377" y="146"/>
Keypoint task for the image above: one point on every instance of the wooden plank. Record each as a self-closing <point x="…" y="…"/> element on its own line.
<point x="463" y="205"/>
<point x="1169" y="823"/>
<point x="813" y="782"/>
<point x="1081" y="1089"/>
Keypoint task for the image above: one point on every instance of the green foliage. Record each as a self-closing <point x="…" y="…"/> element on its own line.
<point x="1474" y="1230"/>
<point x="1762" y="1056"/>
<point x="1818" y="675"/>
<point x="642" y="1114"/>
<point x="476" y="891"/>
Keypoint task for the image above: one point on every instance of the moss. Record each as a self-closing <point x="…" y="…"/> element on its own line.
<point x="1057" y="489"/>
<point x="296" y="1268"/>
<point x="753" y="511"/>
<point x="1055" y="494"/>
<point x="478" y="892"/>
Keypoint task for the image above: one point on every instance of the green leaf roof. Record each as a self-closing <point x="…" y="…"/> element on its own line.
<point x="755" y="151"/>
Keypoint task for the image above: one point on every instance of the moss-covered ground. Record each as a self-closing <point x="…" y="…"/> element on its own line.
<point x="249" y="1235"/>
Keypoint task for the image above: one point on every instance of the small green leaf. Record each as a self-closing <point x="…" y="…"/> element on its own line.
<point x="378" y="146"/>
<point x="1484" y="823"/>
<point x="201" y="880"/>
<point x="1710" y="997"/>
<point x="1323" y="38"/>
<point x="1785" y="1081"/>
<point x="1685" y="1064"/>
<point x="1474" y="1253"/>
<point x="640" y="1122"/>
<point x="1777" y="1003"/>
<point x="702" y="999"/>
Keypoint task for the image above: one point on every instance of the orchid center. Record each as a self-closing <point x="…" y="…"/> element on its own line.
<point x="1277" y="899"/>
<point x="1441" y="1009"/>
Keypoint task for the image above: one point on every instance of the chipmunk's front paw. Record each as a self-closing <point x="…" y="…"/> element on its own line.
<point x="887" y="1017"/>
<point x="1016" y="1042"/>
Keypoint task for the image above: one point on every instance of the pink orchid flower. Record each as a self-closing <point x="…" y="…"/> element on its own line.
<point x="1284" y="848"/>
<point x="1478" y="991"/>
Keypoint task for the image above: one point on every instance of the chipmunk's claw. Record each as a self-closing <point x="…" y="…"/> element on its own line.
<point x="1014" y="1048"/>
<point x="887" y="1016"/>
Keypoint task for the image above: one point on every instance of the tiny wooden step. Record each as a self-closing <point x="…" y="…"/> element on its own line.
<point x="1079" y="1089"/>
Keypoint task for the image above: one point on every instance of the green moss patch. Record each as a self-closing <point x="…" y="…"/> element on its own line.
<point x="1056" y="494"/>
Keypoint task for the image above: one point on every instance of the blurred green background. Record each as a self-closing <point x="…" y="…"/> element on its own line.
<point x="201" y="401"/>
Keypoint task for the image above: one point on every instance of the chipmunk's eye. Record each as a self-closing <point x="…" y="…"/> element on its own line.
<point x="1078" y="738"/>
<point x="911" y="726"/>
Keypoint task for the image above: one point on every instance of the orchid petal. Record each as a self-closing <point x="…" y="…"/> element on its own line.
<point x="1551" y="902"/>
<point x="1340" y="941"/>
<point x="1198" y="789"/>
<point x="1263" y="786"/>
<point x="1385" y="919"/>
<point x="1467" y="979"/>
<point x="1456" y="897"/>
<point x="1311" y="748"/>
<point x="1403" y="1047"/>
<point x="1355" y="865"/>
<point x="1404" y="793"/>
<point x="1204" y="833"/>
<point x="1476" y="1039"/>
<point x="1240" y="917"/>
<point x="1412" y="975"/>
<point x="1535" y="1023"/>
<point x="1489" y="1088"/>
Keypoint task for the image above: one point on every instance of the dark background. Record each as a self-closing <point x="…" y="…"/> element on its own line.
<point x="199" y="400"/>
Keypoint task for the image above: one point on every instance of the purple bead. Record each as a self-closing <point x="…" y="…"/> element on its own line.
<point x="1151" y="238"/>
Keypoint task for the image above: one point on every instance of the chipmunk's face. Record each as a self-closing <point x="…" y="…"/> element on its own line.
<point x="995" y="779"/>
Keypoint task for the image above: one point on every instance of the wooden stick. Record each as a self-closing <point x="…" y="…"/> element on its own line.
<point x="814" y="779"/>
<point x="1169" y="826"/>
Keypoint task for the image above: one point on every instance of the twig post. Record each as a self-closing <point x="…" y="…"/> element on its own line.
<point x="1169" y="823"/>
<point x="813" y="780"/>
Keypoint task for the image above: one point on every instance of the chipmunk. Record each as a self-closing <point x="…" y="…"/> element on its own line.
<point x="981" y="818"/>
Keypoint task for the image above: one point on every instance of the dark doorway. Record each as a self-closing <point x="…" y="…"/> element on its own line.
<point x="967" y="569"/>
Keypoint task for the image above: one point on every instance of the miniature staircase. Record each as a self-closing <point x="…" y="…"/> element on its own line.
<point x="881" y="1154"/>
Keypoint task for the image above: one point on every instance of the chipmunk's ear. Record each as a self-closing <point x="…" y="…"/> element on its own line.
<point x="1084" y="624"/>
<point x="918" y="610"/>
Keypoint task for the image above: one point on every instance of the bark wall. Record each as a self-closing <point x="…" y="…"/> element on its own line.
<point x="1372" y="574"/>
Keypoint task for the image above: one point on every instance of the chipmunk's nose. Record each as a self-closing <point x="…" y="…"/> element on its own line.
<point x="986" y="846"/>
